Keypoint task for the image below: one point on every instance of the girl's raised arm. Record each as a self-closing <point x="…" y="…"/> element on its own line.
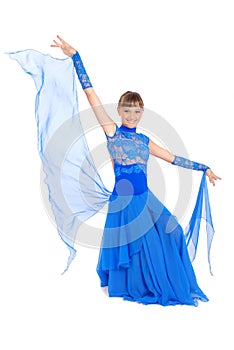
<point x="103" y="118"/>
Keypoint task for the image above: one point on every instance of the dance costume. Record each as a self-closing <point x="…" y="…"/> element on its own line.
<point x="144" y="252"/>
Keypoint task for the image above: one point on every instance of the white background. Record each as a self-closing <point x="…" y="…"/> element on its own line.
<point x="179" y="56"/>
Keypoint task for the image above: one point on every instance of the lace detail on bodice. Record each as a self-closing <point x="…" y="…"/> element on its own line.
<point x="134" y="168"/>
<point x="127" y="148"/>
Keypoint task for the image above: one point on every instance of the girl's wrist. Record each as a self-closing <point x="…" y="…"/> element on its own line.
<point x="72" y="52"/>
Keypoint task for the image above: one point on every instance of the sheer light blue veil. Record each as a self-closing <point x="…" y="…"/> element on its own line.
<point x="76" y="191"/>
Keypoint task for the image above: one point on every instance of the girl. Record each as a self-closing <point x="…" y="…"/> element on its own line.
<point x="144" y="256"/>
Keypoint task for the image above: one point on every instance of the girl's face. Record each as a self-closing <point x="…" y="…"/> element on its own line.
<point x="130" y="115"/>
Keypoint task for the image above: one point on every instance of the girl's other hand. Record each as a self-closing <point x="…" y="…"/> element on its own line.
<point x="212" y="177"/>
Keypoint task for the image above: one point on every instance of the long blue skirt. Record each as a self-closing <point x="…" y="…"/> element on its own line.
<point x="144" y="257"/>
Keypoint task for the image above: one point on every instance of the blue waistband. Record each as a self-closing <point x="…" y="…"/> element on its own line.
<point x="129" y="184"/>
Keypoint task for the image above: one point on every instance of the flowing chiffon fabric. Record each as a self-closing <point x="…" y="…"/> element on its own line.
<point x="153" y="268"/>
<point x="145" y="255"/>
<point x="76" y="191"/>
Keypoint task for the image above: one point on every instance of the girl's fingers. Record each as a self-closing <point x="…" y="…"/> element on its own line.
<point x="213" y="178"/>
<point x="56" y="43"/>
<point x="61" y="39"/>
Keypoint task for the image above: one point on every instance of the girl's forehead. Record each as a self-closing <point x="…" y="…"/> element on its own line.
<point x="130" y="105"/>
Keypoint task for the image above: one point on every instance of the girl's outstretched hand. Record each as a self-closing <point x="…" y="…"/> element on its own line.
<point x="67" y="49"/>
<point x="212" y="177"/>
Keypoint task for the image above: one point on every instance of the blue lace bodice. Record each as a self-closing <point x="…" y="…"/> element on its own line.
<point x="129" y="150"/>
<point x="130" y="153"/>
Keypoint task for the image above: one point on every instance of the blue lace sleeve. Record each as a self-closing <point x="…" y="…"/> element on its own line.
<point x="81" y="72"/>
<point x="189" y="164"/>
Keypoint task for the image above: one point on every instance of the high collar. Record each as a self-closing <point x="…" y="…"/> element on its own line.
<point x="125" y="128"/>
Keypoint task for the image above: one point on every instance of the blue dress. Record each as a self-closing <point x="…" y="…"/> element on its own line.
<point x="144" y="256"/>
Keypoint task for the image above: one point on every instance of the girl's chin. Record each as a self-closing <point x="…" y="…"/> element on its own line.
<point x="130" y="125"/>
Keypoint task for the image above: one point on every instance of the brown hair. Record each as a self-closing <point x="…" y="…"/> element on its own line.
<point x="130" y="98"/>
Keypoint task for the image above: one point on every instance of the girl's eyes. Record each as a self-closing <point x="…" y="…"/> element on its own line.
<point x="127" y="111"/>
